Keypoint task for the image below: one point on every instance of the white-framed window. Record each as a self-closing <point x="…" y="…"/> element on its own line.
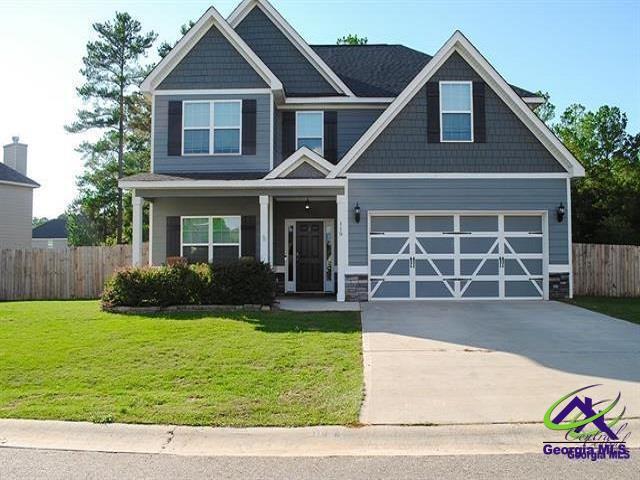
<point x="213" y="239"/>
<point x="456" y="111"/>
<point x="212" y="127"/>
<point x="310" y="131"/>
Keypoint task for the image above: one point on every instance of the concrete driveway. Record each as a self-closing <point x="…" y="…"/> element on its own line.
<point x="491" y="362"/>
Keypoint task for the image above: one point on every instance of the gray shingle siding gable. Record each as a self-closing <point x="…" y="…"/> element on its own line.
<point x="164" y="163"/>
<point x="306" y="171"/>
<point x="457" y="195"/>
<point x="352" y="124"/>
<point x="213" y="63"/>
<point x="403" y="148"/>
<point x="295" y="72"/>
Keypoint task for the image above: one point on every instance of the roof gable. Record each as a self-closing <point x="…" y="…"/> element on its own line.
<point x="211" y="18"/>
<point x="300" y="68"/>
<point x="302" y="162"/>
<point x="459" y="44"/>
<point x="510" y="147"/>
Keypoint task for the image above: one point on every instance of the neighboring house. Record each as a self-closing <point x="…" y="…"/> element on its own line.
<point x="376" y="171"/>
<point x="16" y="197"/>
<point x="51" y="234"/>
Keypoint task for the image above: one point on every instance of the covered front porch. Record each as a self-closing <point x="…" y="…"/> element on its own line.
<point x="300" y="230"/>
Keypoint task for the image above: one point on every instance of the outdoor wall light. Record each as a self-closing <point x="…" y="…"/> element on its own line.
<point x="560" y="211"/>
<point x="306" y="205"/>
<point x="356" y="212"/>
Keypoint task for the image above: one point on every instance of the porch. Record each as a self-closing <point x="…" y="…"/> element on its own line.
<point x="300" y="232"/>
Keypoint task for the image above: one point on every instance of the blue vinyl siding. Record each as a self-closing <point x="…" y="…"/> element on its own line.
<point x="457" y="194"/>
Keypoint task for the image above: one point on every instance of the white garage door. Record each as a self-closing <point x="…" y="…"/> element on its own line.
<point x="457" y="256"/>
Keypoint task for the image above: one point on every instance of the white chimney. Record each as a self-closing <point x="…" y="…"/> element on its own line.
<point x="15" y="155"/>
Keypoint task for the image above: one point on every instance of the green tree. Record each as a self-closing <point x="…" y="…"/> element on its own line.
<point x="606" y="202"/>
<point x="112" y="72"/>
<point x="165" y="47"/>
<point x="547" y="111"/>
<point x="352" y="39"/>
<point x="37" y="221"/>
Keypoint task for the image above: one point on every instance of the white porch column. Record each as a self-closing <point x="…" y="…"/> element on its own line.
<point x="136" y="240"/>
<point x="265" y="200"/>
<point x="343" y="244"/>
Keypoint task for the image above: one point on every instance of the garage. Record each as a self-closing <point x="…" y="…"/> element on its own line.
<point x="457" y="255"/>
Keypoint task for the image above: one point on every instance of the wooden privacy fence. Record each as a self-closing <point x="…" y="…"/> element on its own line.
<point x="606" y="270"/>
<point x="77" y="272"/>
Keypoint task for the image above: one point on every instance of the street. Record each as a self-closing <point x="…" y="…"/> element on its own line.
<point x="51" y="465"/>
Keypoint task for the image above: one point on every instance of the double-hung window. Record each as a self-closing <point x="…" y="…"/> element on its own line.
<point x="456" y="112"/>
<point x="210" y="239"/>
<point x="310" y="131"/>
<point x="212" y="127"/>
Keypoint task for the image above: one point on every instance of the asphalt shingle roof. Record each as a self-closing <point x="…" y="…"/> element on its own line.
<point x="155" y="177"/>
<point x="378" y="70"/>
<point x="8" y="174"/>
<point x="56" y="228"/>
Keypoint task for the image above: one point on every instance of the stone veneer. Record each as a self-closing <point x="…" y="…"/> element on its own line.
<point x="558" y="286"/>
<point x="356" y="288"/>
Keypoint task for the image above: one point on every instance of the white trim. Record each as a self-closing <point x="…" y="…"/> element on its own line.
<point x="336" y="100"/>
<point x="150" y="259"/>
<point x="212" y="184"/>
<point x="565" y="268"/>
<point x="291" y="283"/>
<point x="271" y="205"/>
<point x="466" y="112"/>
<point x="300" y="156"/>
<point x="288" y="31"/>
<point x="314" y="112"/>
<point x="357" y="270"/>
<point x="210" y="244"/>
<point x="18" y="184"/>
<point x="470" y="175"/>
<point x="264" y="201"/>
<point x="534" y="100"/>
<point x="153" y="131"/>
<point x="212" y="128"/>
<point x="209" y="19"/>
<point x="216" y="91"/>
<point x="137" y="204"/>
<point x="458" y="43"/>
<point x="342" y="243"/>
<point x="271" y="131"/>
<point x="569" y="237"/>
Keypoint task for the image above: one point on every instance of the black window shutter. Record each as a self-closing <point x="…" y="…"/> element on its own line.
<point x="248" y="236"/>
<point x="288" y="133"/>
<point x="433" y="112"/>
<point x="173" y="237"/>
<point x="248" y="127"/>
<point x="479" y="123"/>
<point x="174" y="143"/>
<point x="331" y="136"/>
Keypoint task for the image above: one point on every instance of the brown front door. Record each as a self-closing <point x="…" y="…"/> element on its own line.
<point x="309" y="257"/>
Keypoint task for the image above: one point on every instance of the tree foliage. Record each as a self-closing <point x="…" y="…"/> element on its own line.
<point x="606" y="202"/>
<point x="352" y="39"/>
<point x="112" y="105"/>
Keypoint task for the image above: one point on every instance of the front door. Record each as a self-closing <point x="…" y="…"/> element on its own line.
<point x="309" y="259"/>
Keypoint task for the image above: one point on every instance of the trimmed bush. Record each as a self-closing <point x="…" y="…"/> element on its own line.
<point x="236" y="283"/>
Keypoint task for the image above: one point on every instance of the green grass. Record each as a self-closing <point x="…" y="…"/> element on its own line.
<point x="624" y="308"/>
<point x="70" y="361"/>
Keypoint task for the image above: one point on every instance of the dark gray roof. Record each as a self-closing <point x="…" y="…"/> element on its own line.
<point x="8" y="174"/>
<point x="378" y="70"/>
<point x="157" y="177"/>
<point x="56" y="228"/>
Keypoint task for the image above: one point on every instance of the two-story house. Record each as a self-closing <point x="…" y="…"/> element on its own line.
<point x="376" y="172"/>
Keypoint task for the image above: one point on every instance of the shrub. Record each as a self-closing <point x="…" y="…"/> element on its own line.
<point x="236" y="283"/>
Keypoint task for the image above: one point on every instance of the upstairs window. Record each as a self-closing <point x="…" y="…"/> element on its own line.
<point x="212" y="128"/>
<point x="456" y="112"/>
<point x="310" y="131"/>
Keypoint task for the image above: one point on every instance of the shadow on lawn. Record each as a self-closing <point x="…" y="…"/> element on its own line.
<point x="275" y="321"/>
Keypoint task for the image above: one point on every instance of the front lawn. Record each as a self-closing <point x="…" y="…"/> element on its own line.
<point x="70" y="361"/>
<point x="624" y="308"/>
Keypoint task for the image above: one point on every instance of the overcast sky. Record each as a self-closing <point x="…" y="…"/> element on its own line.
<point x="580" y="51"/>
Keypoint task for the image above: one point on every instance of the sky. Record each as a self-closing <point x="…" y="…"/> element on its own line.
<point x="583" y="51"/>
